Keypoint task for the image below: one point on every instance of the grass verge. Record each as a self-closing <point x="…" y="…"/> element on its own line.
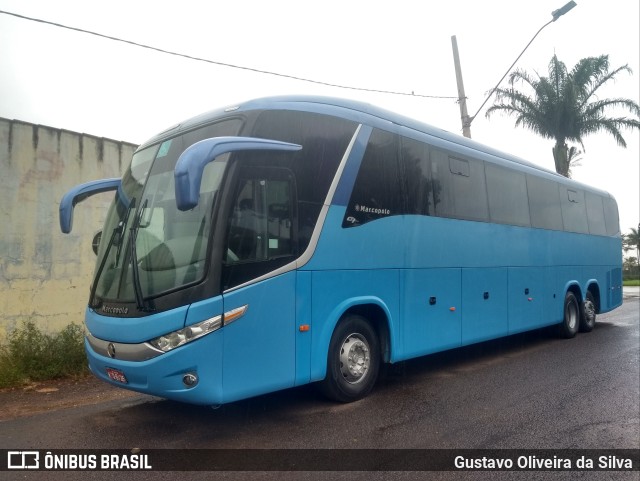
<point x="30" y="355"/>
<point x="631" y="282"/>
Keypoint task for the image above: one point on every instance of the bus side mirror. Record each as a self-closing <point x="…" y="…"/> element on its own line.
<point x="95" y="243"/>
<point x="191" y="163"/>
<point x="80" y="193"/>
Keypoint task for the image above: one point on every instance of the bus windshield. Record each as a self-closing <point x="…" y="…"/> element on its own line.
<point x="148" y="246"/>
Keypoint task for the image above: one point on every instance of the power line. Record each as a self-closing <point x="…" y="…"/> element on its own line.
<point x="223" y="64"/>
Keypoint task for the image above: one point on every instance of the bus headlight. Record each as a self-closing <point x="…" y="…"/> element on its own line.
<point x="175" y="339"/>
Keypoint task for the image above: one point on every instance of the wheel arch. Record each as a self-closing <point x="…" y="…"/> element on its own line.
<point x="574" y="287"/>
<point x="373" y="309"/>
<point x="594" y="288"/>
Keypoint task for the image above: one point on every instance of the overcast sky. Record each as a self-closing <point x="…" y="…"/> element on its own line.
<point x="74" y="81"/>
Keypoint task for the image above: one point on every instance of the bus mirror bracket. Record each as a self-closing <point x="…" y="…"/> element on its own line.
<point x="80" y="193"/>
<point x="191" y="163"/>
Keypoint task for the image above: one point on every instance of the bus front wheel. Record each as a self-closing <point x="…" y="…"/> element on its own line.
<point x="571" y="320"/>
<point x="353" y="360"/>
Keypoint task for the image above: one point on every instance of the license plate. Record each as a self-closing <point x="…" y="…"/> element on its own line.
<point x="116" y="375"/>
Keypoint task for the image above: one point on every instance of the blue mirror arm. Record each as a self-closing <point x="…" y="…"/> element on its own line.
<point x="191" y="163"/>
<point x="80" y="193"/>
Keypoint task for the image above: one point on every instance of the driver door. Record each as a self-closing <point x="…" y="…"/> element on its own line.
<point x="260" y="320"/>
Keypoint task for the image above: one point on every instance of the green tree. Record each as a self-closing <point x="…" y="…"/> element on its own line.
<point x="629" y="264"/>
<point x="565" y="107"/>
<point x="631" y="242"/>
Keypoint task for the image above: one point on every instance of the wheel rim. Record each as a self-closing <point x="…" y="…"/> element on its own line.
<point x="572" y="315"/>
<point x="589" y="311"/>
<point x="355" y="358"/>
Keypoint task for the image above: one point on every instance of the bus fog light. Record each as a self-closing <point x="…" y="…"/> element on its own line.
<point x="190" y="380"/>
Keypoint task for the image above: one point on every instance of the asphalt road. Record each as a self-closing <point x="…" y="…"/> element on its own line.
<point x="526" y="391"/>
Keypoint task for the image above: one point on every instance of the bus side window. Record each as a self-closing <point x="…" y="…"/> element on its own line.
<point x="507" y="191"/>
<point x="416" y="169"/>
<point x="595" y="214"/>
<point x="611" y="220"/>
<point x="376" y="193"/>
<point x="261" y="224"/>
<point x="574" y="212"/>
<point x="459" y="187"/>
<point x="544" y="203"/>
<point x="469" y="188"/>
<point x="441" y="184"/>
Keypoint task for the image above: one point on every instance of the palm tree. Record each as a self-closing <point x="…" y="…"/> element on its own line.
<point x="564" y="105"/>
<point x="632" y="242"/>
<point x="573" y="159"/>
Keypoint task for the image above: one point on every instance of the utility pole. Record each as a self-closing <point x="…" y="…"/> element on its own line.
<point x="462" y="98"/>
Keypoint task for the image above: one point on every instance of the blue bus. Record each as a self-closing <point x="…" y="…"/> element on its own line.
<point x="294" y="240"/>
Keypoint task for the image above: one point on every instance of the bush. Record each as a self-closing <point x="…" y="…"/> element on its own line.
<point x="30" y="355"/>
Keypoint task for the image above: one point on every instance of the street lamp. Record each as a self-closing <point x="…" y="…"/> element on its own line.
<point x="556" y="14"/>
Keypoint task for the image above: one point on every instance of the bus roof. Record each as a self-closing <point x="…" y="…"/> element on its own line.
<point x="356" y="111"/>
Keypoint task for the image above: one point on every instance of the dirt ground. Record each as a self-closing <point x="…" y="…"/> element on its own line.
<point x="47" y="396"/>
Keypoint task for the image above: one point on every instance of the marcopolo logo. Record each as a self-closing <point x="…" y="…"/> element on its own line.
<point x="23" y="460"/>
<point x="114" y="310"/>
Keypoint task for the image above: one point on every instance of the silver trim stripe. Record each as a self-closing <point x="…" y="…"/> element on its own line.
<point x="121" y="351"/>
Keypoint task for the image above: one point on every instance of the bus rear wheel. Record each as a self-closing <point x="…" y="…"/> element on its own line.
<point x="353" y="361"/>
<point x="571" y="320"/>
<point x="588" y="314"/>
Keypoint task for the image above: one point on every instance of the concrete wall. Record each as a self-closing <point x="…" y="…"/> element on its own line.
<point x="45" y="275"/>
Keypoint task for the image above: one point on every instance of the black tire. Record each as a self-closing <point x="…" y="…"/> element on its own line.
<point x="353" y="360"/>
<point x="588" y="313"/>
<point x="571" y="320"/>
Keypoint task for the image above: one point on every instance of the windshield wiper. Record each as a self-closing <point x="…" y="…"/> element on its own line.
<point x="118" y="232"/>
<point x="137" y="287"/>
<point x="122" y="225"/>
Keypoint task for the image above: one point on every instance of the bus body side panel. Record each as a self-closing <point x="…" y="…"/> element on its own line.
<point x="527" y="296"/>
<point x="553" y="309"/>
<point x="586" y="261"/>
<point x="259" y="347"/>
<point x="524" y="272"/>
<point x="614" y="289"/>
<point x="430" y="311"/>
<point x="303" y="336"/>
<point x="335" y="292"/>
<point x="484" y="304"/>
<point x="350" y="267"/>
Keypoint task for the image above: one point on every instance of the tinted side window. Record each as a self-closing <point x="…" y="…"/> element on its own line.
<point x="416" y="170"/>
<point x="442" y="184"/>
<point x="595" y="214"/>
<point x="324" y="140"/>
<point x="508" y="202"/>
<point x="574" y="212"/>
<point x="611" y="216"/>
<point x="376" y="192"/>
<point x="544" y="203"/>
<point x="261" y="224"/>
<point x="459" y="187"/>
<point x="261" y="234"/>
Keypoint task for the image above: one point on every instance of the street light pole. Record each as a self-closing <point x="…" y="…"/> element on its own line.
<point x="466" y="120"/>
